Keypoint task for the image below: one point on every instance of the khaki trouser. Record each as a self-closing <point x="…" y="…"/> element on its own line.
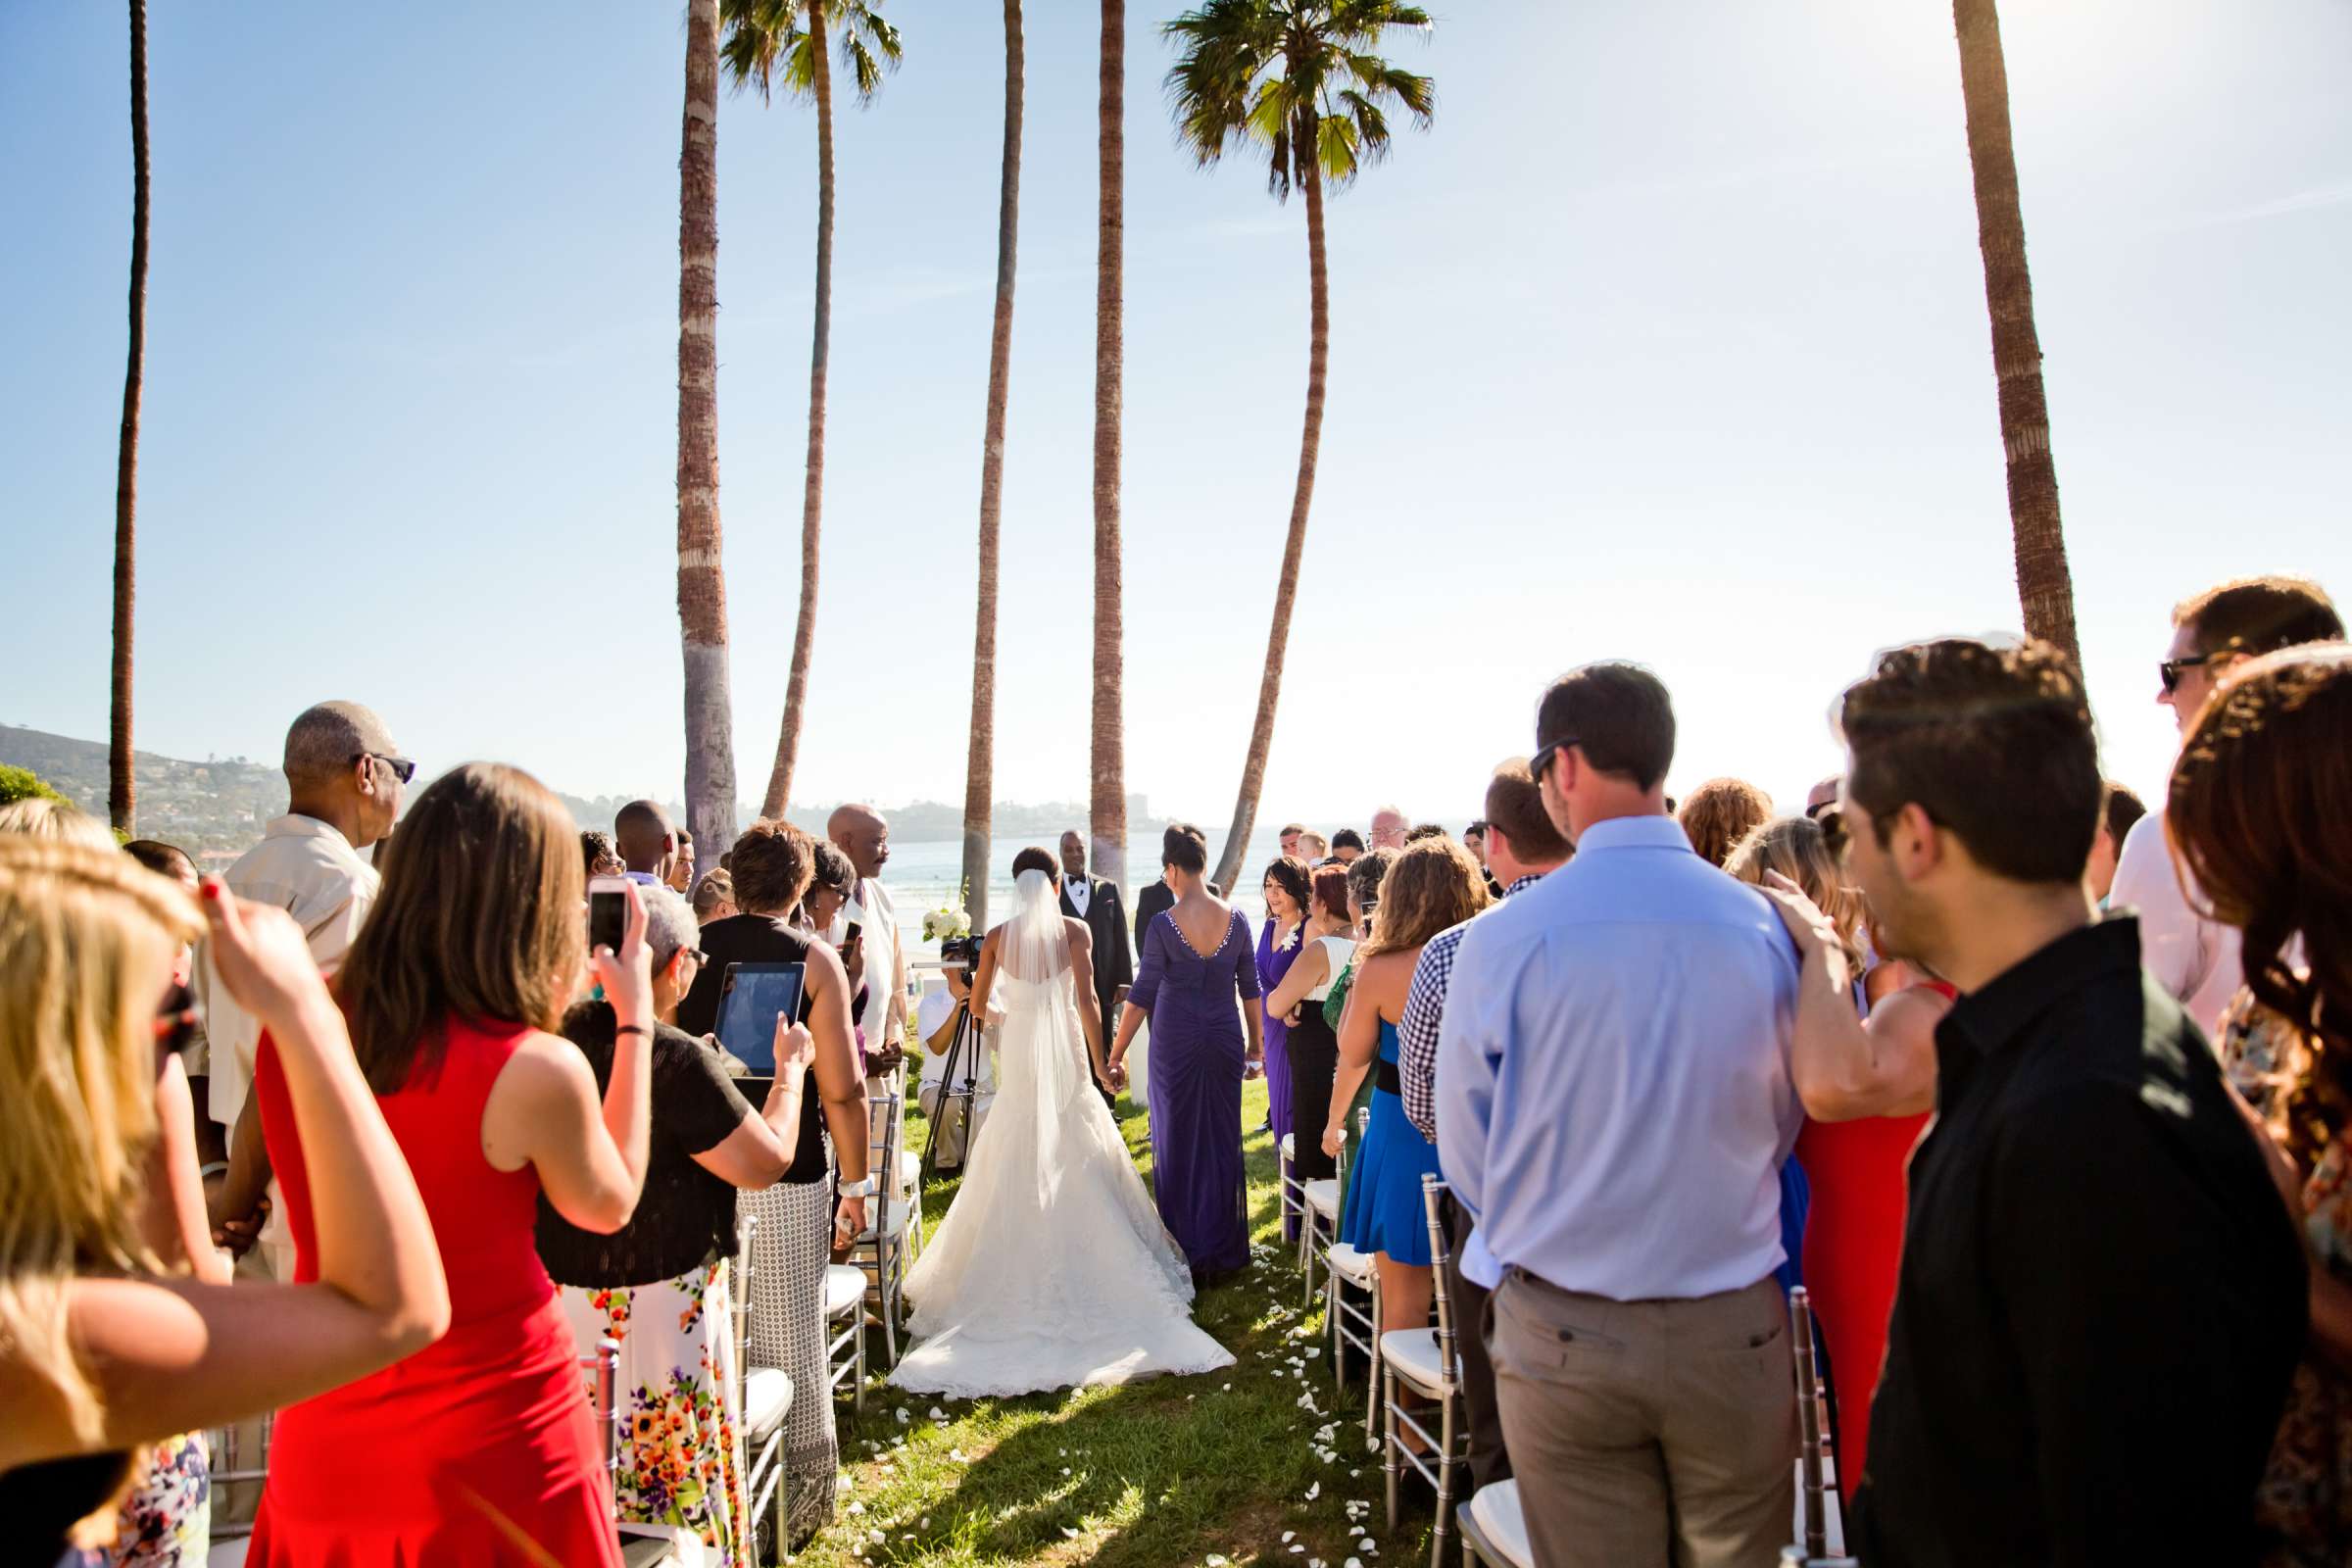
<point x="1647" y="1433"/>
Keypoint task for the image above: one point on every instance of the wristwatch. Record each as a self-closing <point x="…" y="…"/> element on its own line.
<point x="864" y="1186"/>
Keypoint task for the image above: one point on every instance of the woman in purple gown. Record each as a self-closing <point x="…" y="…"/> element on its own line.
<point x="1286" y="888"/>
<point x="1197" y="982"/>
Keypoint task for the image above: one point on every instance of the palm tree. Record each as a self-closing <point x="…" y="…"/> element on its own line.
<point x="2045" y="589"/>
<point x="785" y="39"/>
<point x="979" y="775"/>
<point x="1297" y="80"/>
<point x="121" y="786"/>
<point x="702" y="582"/>
<point x="1107" y="814"/>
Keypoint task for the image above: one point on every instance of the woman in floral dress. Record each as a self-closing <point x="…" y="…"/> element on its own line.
<point x="660" y="1286"/>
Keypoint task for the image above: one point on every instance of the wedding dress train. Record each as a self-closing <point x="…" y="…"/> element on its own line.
<point x="1052" y="1267"/>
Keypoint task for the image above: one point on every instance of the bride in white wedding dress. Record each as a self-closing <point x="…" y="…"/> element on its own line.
<point x="1052" y="1267"/>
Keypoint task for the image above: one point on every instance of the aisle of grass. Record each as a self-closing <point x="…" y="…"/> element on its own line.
<point x="1223" y="1468"/>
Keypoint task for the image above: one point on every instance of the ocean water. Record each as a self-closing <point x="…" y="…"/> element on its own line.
<point x="923" y="876"/>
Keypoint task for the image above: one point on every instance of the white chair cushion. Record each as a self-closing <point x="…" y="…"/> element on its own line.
<point x="1494" y="1509"/>
<point x="767" y="1397"/>
<point x="1413" y="1352"/>
<point x="845" y="1288"/>
<point x="894" y="1221"/>
<point x="1288" y="1144"/>
<point x="1323" y="1196"/>
<point x="1357" y="1268"/>
<point x="910" y="1169"/>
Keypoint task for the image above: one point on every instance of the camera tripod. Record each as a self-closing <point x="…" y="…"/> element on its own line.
<point x="955" y="1092"/>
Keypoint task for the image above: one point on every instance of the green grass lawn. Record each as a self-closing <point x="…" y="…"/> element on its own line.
<point x="1219" y="1469"/>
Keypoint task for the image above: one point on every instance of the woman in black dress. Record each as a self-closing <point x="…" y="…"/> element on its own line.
<point x="1314" y="1046"/>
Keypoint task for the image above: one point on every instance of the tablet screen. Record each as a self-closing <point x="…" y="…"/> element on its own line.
<point x="754" y="997"/>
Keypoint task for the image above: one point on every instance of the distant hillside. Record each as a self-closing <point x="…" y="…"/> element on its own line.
<point x="216" y="808"/>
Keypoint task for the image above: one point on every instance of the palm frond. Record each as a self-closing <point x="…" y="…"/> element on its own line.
<point x="1299" y="81"/>
<point x="756" y="42"/>
<point x="869" y="46"/>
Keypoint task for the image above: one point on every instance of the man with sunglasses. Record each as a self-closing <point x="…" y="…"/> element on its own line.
<point x="2193" y="959"/>
<point x="1613" y="1105"/>
<point x="344" y="777"/>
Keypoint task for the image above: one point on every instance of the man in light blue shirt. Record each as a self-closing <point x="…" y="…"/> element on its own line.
<point x="1613" y="1105"/>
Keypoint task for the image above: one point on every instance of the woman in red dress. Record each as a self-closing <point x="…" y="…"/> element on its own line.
<point x="1865" y="1065"/>
<point x="478" y="1450"/>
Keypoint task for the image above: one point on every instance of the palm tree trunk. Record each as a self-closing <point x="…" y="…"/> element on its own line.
<point x="702" y="583"/>
<point x="979" y="775"/>
<point x="122" y="787"/>
<point x="813" y="492"/>
<point x="1285" y="593"/>
<point x="2045" y="587"/>
<point x="1106" y="816"/>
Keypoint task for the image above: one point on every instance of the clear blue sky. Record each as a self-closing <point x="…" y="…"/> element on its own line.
<point x="1668" y="342"/>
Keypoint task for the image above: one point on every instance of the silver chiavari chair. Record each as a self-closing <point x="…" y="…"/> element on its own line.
<point x="226" y="1446"/>
<point x="881" y="1250"/>
<point x="1494" y="1529"/>
<point x="1813" y="1444"/>
<point x="1319" y="1223"/>
<point x="1422" y="1362"/>
<point x="845" y="1321"/>
<point x="763" y="1395"/>
<point x="1293" y="1192"/>
<point x="1346" y="1270"/>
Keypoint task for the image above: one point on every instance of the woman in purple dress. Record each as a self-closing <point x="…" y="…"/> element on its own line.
<point x="1197" y="982"/>
<point x="1286" y="888"/>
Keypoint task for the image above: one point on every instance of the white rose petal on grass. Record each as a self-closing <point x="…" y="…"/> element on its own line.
<point x="1289" y="1535"/>
<point x="1314" y="1491"/>
<point x="1354" y="1562"/>
<point x="902" y="1417"/>
<point x="1068" y="1534"/>
<point x="1299" y="1551"/>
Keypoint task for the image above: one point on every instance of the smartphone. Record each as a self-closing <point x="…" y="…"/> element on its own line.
<point x="753" y="997"/>
<point x="608" y="912"/>
<point x="848" y="943"/>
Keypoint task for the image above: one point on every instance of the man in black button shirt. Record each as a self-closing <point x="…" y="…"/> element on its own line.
<point x="2101" y="1296"/>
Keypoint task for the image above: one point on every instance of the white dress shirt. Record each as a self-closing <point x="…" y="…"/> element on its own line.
<point x="1079" y="890"/>
<point x="309" y="869"/>
<point x="878" y="922"/>
<point x="979" y="1055"/>
<point x="2193" y="959"/>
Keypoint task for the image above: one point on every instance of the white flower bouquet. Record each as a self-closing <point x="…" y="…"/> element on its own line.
<point x="946" y="923"/>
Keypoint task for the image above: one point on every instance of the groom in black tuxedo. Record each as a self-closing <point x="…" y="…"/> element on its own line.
<point x="1096" y="900"/>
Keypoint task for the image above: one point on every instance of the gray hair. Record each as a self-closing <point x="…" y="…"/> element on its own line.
<point x="327" y="739"/>
<point x="669" y="923"/>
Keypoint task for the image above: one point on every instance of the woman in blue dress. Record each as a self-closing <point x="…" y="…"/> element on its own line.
<point x="1433" y="885"/>
<point x="1197" y="982"/>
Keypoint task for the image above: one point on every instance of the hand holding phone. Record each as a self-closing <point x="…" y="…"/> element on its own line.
<point x="619" y="957"/>
<point x="852" y="955"/>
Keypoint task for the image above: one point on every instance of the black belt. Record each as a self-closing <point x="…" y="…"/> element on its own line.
<point x="1389" y="1079"/>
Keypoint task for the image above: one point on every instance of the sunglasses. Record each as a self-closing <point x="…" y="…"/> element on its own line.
<point x="2170" y="670"/>
<point x="401" y="767"/>
<point x="1540" y="764"/>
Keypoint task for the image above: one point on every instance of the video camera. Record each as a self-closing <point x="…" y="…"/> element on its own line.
<point x="960" y="953"/>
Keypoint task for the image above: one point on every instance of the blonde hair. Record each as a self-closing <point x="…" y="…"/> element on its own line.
<point x="1794" y="847"/>
<point x="1432" y="886"/>
<point x="43" y="817"/>
<point x="86" y="937"/>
